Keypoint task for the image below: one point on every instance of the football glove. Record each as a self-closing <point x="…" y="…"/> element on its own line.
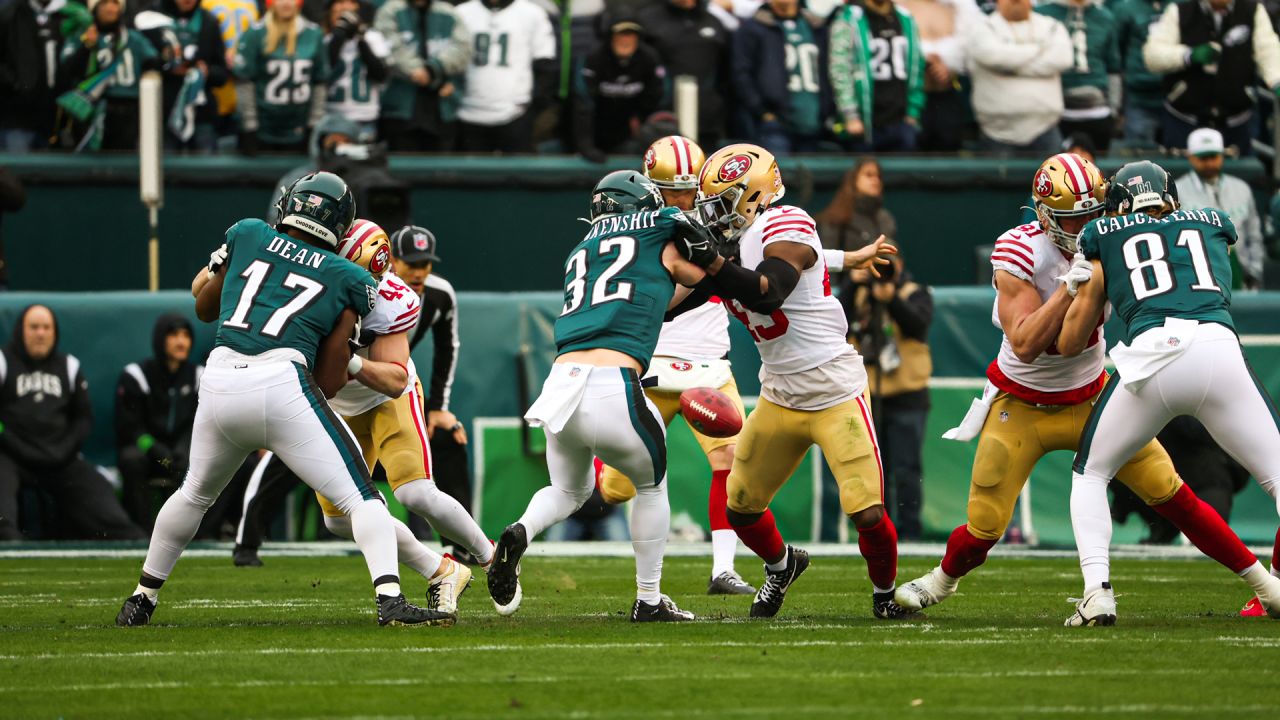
<point x="1081" y="271"/>
<point x="696" y="244"/>
<point x="217" y="258"/>
<point x="1205" y="54"/>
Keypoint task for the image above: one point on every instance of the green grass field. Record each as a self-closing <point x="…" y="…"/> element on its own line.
<point x="298" y="638"/>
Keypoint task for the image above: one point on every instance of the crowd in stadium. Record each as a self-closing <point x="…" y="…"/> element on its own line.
<point x="592" y="78"/>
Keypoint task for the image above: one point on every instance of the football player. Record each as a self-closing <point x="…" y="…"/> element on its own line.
<point x="286" y="306"/>
<point x="812" y="383"/>
<point x="1167" y="272"/>
<point x="1038" y="398"/>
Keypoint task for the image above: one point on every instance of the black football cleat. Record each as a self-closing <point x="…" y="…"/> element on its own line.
<point x="769" y="597"/>
<point x="398" y="611"/>
<point x="246" y="557"/>
<point x="136" y="611"/>
<point x="504" y="571"/>
<point x="664" y="611"/>
<point x="729" y="583"/>
<point x="884" y="607"/>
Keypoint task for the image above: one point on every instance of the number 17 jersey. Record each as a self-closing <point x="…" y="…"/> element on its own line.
<point x="1157" y="268"/>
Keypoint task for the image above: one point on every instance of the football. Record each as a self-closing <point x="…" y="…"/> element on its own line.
<point x="710" y="412"/>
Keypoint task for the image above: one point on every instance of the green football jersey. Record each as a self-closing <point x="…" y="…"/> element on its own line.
<point x="1094" y="43"/>
<point x="802" y="77"/>
<point x="1158" y="268"/>
<point x="616" y="289"/>
<point x="282" y="82"/>
<point x="284" y="293"/>
<point x="133" y="50"/>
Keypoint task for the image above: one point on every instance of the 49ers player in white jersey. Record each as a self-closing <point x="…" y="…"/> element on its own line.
<point x="812" y="380"/>
<point x="1037" y="401"/>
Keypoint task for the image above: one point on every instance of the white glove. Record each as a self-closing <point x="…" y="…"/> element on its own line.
<point x="1081" y="271"/>
<point x="217" y="258"/>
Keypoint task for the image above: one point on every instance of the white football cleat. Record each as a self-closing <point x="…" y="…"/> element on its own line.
<point x="928" y="589"/>
<point x="1097" y="608"/>
<point x="444" y="590"/>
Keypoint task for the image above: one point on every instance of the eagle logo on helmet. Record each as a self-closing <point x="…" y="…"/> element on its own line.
<point x="381" y="258"/>
<point x="734" y="168"/>
<point x="1043" y="185"/>
<point x="650" y="159"/>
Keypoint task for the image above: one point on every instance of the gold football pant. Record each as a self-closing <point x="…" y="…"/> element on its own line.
<point x="616" y="488"/>
<point x="775" y="439"/>
<point x="1018" y="433"/>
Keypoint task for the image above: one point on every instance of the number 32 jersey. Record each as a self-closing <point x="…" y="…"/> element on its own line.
<point x="809" y="329"/>
<point x="1157" y="268"/>
<point x="395" y="310"/>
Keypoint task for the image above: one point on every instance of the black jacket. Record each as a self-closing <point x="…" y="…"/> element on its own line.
<point x="27" y="82"/>
<point x="439" y="314"/>
<point x="614" y="92"/>
<point x="44" y="405"/>
<point x="693" y="42"/>
<point x="205" y="45"/>
<point x="151" y="401"/>
<point x="760" y="79"/>
<point x="1222" y="97"/>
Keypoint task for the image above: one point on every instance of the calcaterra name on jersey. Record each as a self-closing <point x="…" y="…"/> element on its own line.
<point x="623" y="223"/>
<point x="1114" y="224"/>
<point x="295" y="253"/>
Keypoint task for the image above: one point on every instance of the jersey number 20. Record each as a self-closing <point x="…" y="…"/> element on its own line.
<point x="620" y="252"/>
<point x="1151" y="276"/>
<point x="255" y="275"/>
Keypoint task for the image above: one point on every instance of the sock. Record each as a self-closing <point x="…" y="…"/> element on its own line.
<point x="964" y="553"/>
<point x="176" y="524"/>
<point x="446" y="515"/>
<point x="413" y="553"/>
<point x="1091" y="523"/>
<point x="388" y="585"/>
<point x="879" y="546"/>
<point x="1275" y="556"/>
<point x="1206" y="529"/>
<point x="948" y="582"/>
<point x="724" y="541"/>
<point x="763" y="538"/>
<point x="650" y="525"/>
<point x="549" y="506"/>
<point x="724" y="544"/>
<point x="374" y="534"/>
<point x="1257" y="577"/>
<point x="148" y="586"/>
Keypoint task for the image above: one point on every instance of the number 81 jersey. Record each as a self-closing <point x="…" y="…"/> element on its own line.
<point x="809" y="329"/>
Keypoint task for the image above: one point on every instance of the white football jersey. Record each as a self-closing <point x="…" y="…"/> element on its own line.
<point x="396" y="310"/>
<point x="700" y="334"/>
<point x="351" y="93"/>
<point x="1027" y="253"/>
<point x="504" y="44"/>
<point x="809" y="329"/>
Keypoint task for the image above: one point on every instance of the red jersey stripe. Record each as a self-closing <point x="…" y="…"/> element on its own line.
<point x="997" y="257"/>
<point x="1016" y="253"/>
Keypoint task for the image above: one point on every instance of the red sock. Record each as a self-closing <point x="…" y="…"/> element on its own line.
<point x="964" y="552"/>
<point x="763" y="538"/>
<point x="1275" y="554"/>
<point x="1206" y="529"/>
<point x="718" y="500"/>
<point x="879" y="546"/>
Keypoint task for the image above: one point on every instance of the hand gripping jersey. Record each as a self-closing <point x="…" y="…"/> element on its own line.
<point x="396" y="309"/>
<point x="809" y="329"/>
<point x="1157" y="268"/>
<point x="351" y="93"/>
<point x="1027" y="253"/>
<point x="279" y="292"/>
<point x="700" y="334"/>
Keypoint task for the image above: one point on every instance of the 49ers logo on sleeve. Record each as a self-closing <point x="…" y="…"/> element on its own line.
<point x="1043" y="185"/>
<point x="381" y="258"/>
<point x="734" y="168"/>
<point x="650" y="159"/>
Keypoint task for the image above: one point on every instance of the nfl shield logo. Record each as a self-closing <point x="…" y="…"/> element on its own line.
<point x="420" y="241"/>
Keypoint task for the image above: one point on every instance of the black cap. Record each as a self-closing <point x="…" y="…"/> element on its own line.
<point x="414" y="244"/>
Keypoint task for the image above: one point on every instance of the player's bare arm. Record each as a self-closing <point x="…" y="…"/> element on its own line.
<point x="1030" y="326"/>
<point x="209" y="296"/>
<point x="1082" y="317"/>
<point x="386" y="368"/>
<point x="330" y="372"/>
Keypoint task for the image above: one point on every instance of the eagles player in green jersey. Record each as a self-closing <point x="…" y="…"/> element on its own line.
<point x="1167" y="273"/>
<point x="286" y="305"/>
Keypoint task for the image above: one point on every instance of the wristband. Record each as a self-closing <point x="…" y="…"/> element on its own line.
<point x="354" y="364"/>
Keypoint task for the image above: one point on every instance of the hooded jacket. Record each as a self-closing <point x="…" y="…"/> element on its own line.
<point x="45" y="414"/>
<point x="30" y="36"/>
<point x="155" y="408"/>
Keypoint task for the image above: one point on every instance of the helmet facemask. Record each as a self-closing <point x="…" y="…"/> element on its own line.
<point x="1067" y="241"/>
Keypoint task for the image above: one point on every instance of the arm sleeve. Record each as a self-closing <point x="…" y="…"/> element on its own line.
<point x="840" y="64"/>
<point x="986" y="49"/>
<point x="403" y="58"/>
<point x="1164" y="52"/>
<point x="915" y="75"/>
<point x="1052" y="57"/>
<point x="444" y="363"/>
<point x="1266" y="48"/>
<point x="834" y="259"/>
<point x="913" y="313"/>
<point x="374" y="52"/>
<point x="455" y="57"/>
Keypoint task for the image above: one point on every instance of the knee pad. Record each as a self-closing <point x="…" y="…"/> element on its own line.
<point x="988" y="519"/>
<point x="737" y="519"/>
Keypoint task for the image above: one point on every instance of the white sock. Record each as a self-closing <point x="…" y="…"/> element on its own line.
<point x="946" y="581"/>
<point x="446" y="515"/>
<point x="724" y="544"/>
<point x="152" y="593"/>
<point x="549" y="506"/>
<point x="650" y="525"/>
<point x="1091" y="522"/>
<point x="781" y="564"/>
<point x="412" y="552"/>
<point x="176" y="523"/>
<point x="374" y="534"/>
<point x="390" y="589"/>
<point x="1258" y="578"/>
<point x="881" y="591"/>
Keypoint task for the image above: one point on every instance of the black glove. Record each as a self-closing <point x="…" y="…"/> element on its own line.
<point x="249" y="143"/>
<point x="347" y="27"/>
<point x="696" y="245"/>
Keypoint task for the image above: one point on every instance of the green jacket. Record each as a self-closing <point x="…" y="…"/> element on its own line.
<point x="1094" y="38"/>
<point x="851" y="59"/>
<point x="448" y="56"/>
<point x="79" y="62"/>
<point x="1133" y="20"/>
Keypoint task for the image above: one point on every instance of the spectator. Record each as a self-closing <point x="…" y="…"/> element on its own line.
<point x="692" y="42"/>
<point x="103" y="65"/>
<point x="1090" y="105"/>
<point x="13" y="197"/>
<point x="190" y="45"/>
<point x="431" y="50"/>
<point x="235" y="17"/>
<point x="777" y="76"/>
<point x="1209" y="52"/>
<point x="946" y="120"/>
<point x="155" y="410"/>
<point x="856" y="215"/>
<point x="1017" y="58"/>
<point x="620" y="85"/>
<point x="358" y="57"/>
<point x="31" y="35"/>
<point x="1207" y="186"/>
<point x="512" y="75"/>
<point x="1143" y="96"/>
<point x="281" y="73"/>
<point x="889" y="321"/>
<point x="44" y="419"/>
<point x="877" y="71"/>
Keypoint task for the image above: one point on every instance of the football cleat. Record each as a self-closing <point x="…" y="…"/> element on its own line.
<point x="504" y="571"/>
<point x="769" y="597"/>
<point x="922" y="592"/>
<point x="246" y="557"/>
<point x="884" y="608"/>
<point x="1253" y="608"/>
<point x="1096" y="608"/>
<point x="398" y="611"/>
<point x="664" y="611"/>
<point x="444" y="590"/>
<point x="136" y="611"/>
<point x="729" y="583"/>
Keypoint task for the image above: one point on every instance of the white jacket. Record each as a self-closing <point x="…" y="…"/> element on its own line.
<point x="1164" y="52"/>
<point x="1234" y="196"/>
<point x="1017" y="75"/>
